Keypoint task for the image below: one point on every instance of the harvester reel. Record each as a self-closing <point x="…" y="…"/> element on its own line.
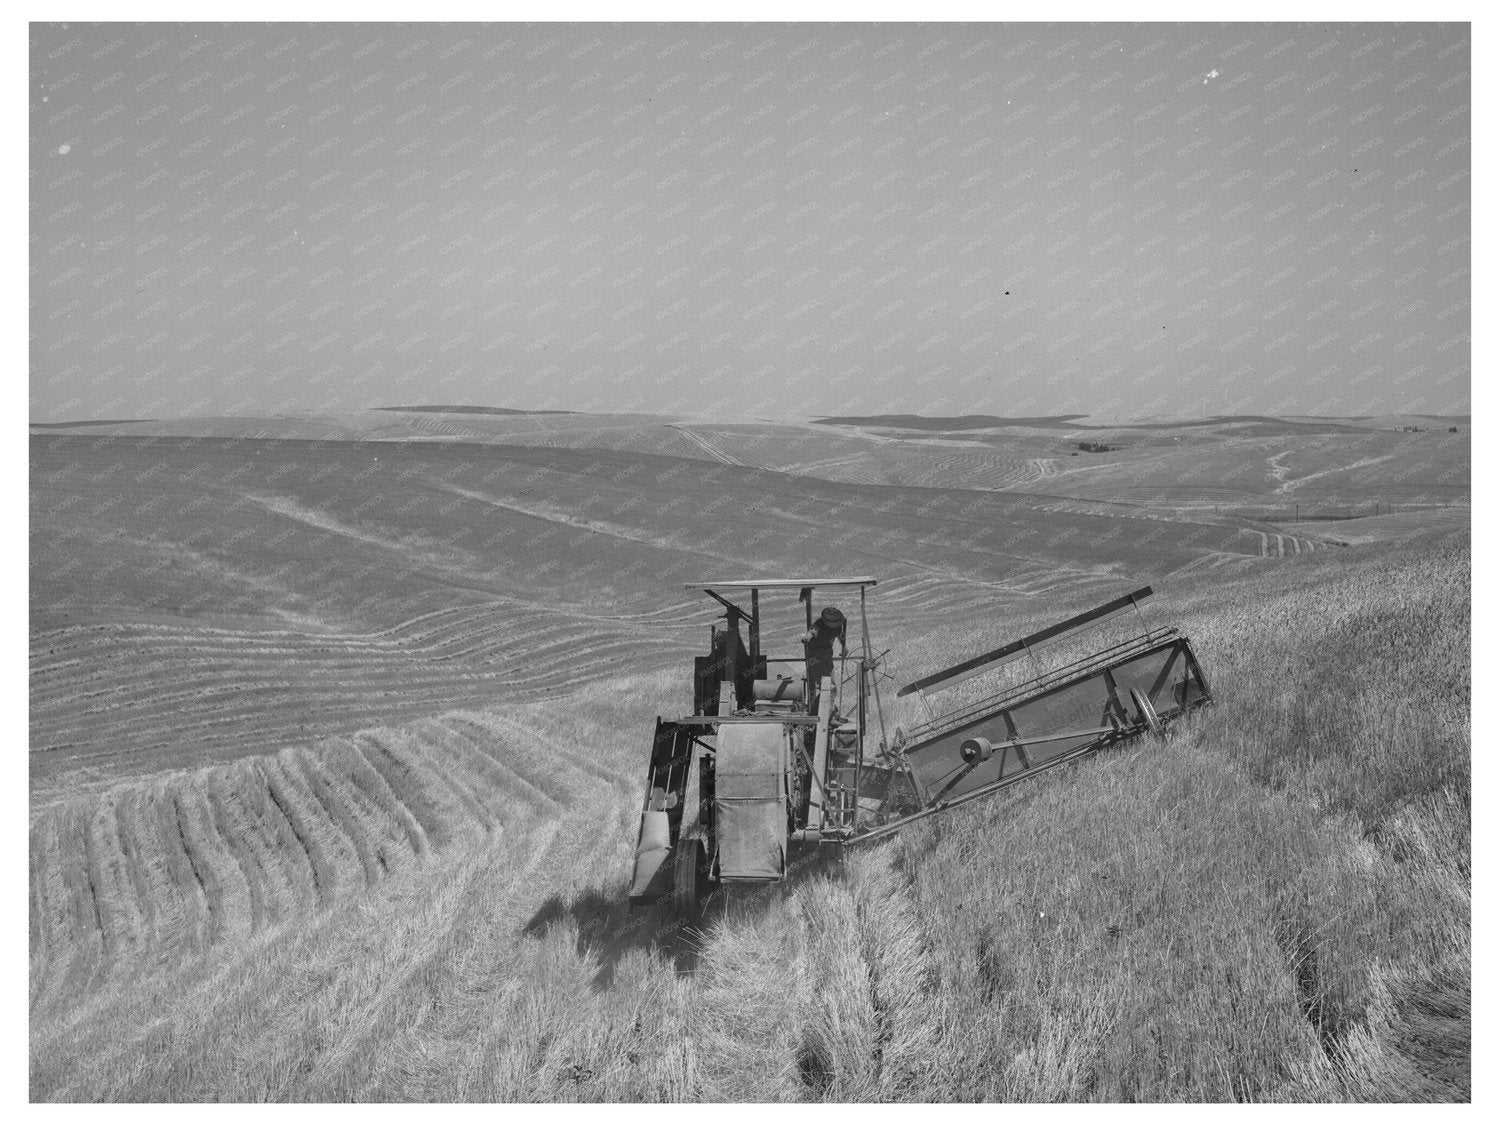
<point x="1147" y="712"/>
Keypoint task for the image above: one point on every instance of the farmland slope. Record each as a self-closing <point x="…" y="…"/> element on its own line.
<point x="335" y="760"/>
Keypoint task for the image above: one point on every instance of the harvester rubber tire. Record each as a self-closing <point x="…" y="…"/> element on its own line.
<point x="1147" y="712"/>
<point x="685" y="880"/>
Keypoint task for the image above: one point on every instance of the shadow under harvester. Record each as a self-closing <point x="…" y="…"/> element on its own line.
<point x="608" y="928"/>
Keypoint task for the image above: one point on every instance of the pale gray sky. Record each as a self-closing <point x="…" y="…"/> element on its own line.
<point x="764" y="220"/>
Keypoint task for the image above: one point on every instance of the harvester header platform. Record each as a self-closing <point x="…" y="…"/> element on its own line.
<point x="793" y="754"/>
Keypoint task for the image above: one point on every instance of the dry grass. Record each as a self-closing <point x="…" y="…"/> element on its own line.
<point x="1274" y="905"/>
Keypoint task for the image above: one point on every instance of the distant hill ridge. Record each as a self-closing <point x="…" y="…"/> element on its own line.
<point x="469" y="410"/>
<point x="917" y="422"/>
<point x="939" y="422"/>
<point x="1067" y="421"/>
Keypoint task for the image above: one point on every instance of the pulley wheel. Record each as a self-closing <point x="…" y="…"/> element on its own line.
<point x="1148" y="713"/>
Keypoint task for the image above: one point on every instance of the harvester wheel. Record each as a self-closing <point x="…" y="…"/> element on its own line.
<point x="685" y="877"/>
<point x="1147" y="711"/>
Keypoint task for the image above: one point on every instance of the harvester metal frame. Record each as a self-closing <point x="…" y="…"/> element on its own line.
<point x="784" y="763"/>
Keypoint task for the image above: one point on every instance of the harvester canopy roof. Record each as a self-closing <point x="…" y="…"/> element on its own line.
<point x="777" y="583"/>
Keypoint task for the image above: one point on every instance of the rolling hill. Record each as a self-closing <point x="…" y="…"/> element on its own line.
<point x="338" y="724"/>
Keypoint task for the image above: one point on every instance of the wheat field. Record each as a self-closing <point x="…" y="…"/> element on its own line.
<point x="1273" y="905"/>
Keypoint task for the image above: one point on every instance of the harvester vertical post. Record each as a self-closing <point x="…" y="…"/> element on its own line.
<point x="731" y="647"/>
<point x="820" y="753"/>
<point x="754" y="628"/>
<point x="864" y="625"/>
<point x="862" y="716"/>
<point x="843" y="659"/>
<point x="864" y="670"/>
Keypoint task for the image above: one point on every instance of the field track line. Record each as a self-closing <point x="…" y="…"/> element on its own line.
<point x="708" y="447"/>
<point x="1278" y="471"/>
<point x="583" y="523"/>
<point x="1366" y="462"/>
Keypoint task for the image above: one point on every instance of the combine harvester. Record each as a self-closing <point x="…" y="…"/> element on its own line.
<point x="793" y="758"/>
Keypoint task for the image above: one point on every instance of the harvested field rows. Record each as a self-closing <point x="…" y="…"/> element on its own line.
<point x="337" y="747"/>
<point x="196" y="600"/>
<point x="128" y="696"/>
<point x="139" y="697"/>
<point x="1274" y="545"/>
<point x="138" y="875"/>
<point x="1286" y="919"/>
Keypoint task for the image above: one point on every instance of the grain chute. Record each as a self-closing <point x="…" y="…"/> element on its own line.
<point x="792" y="753"/>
